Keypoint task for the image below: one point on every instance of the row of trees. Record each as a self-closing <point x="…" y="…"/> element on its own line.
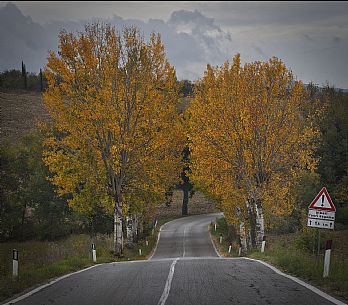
<point x="252" y="138"/>
<point x="19" y="80"/>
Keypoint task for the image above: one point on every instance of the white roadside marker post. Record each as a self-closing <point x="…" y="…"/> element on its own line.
<point x="239" y="251"/>
<point x="229" y="248"/>
<point x="220" y="238"/>
<point x="139" y="251"/>
<point x="15" y="263"/>
<point x="263" y="244"/>
<point x="94" y="253"/>
<point x="147" y="242"/>
<point x="327" y="258"/>
<point x="215" y="226"/>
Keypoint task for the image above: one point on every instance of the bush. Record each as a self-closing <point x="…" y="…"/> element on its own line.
<point x="342" y="215"/>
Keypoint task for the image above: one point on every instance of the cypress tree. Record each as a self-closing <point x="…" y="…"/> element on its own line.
<point x="24" y="75"/>
<point x="41" y="84"/>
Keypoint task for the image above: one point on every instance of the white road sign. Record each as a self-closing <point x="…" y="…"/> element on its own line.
<point x="321" y="212"/>
<point x="322" y="201"/>
<point x="325" y="215"/>
<point x="319" y="223"/>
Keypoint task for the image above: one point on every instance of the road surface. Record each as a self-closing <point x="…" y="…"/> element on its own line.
<point x="185" y="269"/>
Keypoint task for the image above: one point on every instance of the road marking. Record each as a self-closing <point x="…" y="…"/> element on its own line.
<point x="166" y="290"/>
<point x="211" y="239"/>
<point x="298" y="281"/>
<point x="159" y="233"/>
<point x="158" y="237"/>
<point x="183" y="243"/>
<point x="24" y="296"/>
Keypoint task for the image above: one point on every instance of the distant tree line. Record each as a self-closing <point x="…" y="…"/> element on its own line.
<point x="18" y="80"/>
<point x="14" y="80"/>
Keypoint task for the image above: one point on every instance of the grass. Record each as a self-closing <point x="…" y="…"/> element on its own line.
<point x="20" y="111"/>
<point x="222" y="230"/>
<point x="295" y="255"/>
<point x="306" y="265"/>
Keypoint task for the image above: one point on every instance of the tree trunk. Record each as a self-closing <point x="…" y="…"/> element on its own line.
<point x="118" y="234"/>
<point x="135" y="228"/>
<point x="260" y="224"/>
<point x="129" y="229"/>
<point x="243" y="237"/>
<point x="252" y="224"/>
<point x="23" y="220"/>
<point x="185" y="202"/>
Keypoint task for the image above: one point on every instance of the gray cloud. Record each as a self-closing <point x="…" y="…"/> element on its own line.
<point x="191" y="39"/>
<point x="276" y="13"/>
<point x="310" y="37"/>
<point x="337" y="40"/>
<point x="260" y="52"/>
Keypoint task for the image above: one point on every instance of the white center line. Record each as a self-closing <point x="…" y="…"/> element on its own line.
<point x="183" y="243"/>
<point x="166" y="290"/>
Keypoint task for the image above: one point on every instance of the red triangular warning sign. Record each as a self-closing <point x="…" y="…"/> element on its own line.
<point x="322" y="201"/>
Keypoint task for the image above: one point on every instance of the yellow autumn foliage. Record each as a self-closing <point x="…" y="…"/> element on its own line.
<point x="118" y="136"/>
<point x="249" y="137"/>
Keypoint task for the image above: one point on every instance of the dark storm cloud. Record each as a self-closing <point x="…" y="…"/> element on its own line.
<point x="190" y="39"/>
<point x="277" y="13"/>
<point x="310" y="37"/>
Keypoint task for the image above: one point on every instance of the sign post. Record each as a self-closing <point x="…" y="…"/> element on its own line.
<point x="94" y="253"/>
<point x="15" y="263"/>
<point x="321" y="215"/>
<point x="327" y="258"/>
<point x="263" y="244"/>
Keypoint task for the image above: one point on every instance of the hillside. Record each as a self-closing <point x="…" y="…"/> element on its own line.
<point x="19" y="112"/>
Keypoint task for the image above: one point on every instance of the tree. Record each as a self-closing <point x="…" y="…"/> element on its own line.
<point x="333" y="149"/>
<point x="13" y="80"/>
<point x="29" y="208"/>
<point x="186" y="88"/>
<point x="185" y="183"/>
<point x="113" y="101"/>
<point x="24" y="76"/>
<point x="250" y="139"/>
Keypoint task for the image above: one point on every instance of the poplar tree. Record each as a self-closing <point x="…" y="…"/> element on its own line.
<point x="249" y="140"/>
<point x="113" y="99"/>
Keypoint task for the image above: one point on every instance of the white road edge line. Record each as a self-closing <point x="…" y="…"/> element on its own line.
<point x="31" y="292"/>
<point x="298" y="281"/>
<point x="166" y="290"/>
<point x="211" y="239"/>
<point x="158" y="237"/>
<point x="24" y="296"/>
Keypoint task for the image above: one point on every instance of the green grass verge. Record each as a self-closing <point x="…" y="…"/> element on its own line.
<point x="308" y="267"/>
<point x="287" y="253"/>
<point x="222" y="230"/>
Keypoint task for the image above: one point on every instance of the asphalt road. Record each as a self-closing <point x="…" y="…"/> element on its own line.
<point x="184" y="269"/>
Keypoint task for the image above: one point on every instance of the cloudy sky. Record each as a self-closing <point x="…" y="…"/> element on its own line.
<point x="310" y="37"/>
